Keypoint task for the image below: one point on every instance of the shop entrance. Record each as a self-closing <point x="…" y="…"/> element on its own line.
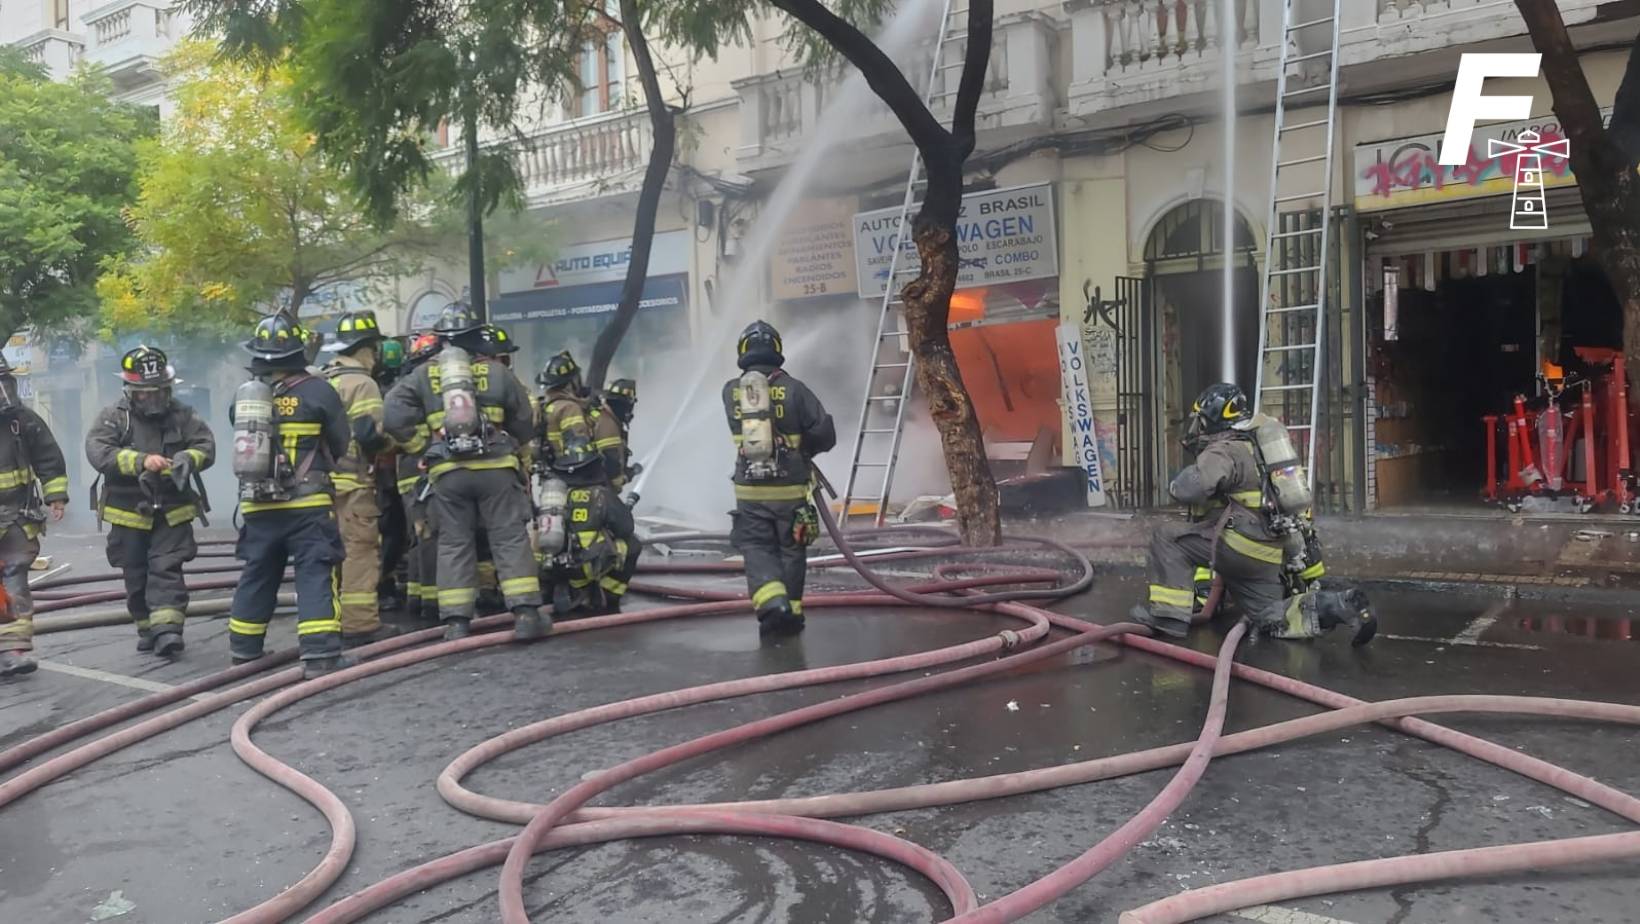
<point x="1185" y="257"/>
<point x="1472" y="330"/>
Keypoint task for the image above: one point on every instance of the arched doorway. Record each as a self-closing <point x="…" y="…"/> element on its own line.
<point x="1184" y="259"/>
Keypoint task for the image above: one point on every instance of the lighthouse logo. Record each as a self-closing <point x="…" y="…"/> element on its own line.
<point x="1470" y="105"/>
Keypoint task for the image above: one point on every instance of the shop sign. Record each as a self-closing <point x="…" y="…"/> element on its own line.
<point x="815" y="253"/>
<point x="1407" y="171"/>
<point x="1078" y="401"/>
<point x="599" y="261"/>
<point x="583" y="301"/>
<point x="1003" y="235"/>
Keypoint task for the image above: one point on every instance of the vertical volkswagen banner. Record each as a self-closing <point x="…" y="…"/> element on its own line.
<point x="1073" y="379"/>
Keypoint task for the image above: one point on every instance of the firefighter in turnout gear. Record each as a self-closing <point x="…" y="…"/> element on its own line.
<point x="33" y="478"/>
<point x="393" y="525"/>
<point x="778" y="426"/>
<point x="1234" y="534"/>
<point x="620" y="402"/>
<point x="474" y="416"/>
<point x="289" y="429"/>
<point x="149" y="449"/>
<point x="421" y="561"/>
<point x="358" y="512"/>
<point x="583" y="449"/>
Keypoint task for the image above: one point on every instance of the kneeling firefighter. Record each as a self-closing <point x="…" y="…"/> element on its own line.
<point x="1250" y="501"/>
<point x="580" y="451"/>
<point x="150" y="448"/>
<point x="289" y="430"/>
<point x="477" y="414"/>
<point x="778" y="427"/>
<point x="33" y="477"/>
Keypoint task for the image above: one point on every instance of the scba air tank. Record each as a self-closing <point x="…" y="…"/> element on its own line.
<point x="551" y="503"/>
<point x="253" y="438"/>
<point x="1289" y="483"/>
<point x="463" y="430"/>
<point x="757" y="425"/>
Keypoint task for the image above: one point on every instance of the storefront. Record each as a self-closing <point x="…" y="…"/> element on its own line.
<point x="1479" y="290"/>
<point x="566" y="303"/>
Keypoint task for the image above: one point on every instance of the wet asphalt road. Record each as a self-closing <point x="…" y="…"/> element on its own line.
<point x="188" y="834"/>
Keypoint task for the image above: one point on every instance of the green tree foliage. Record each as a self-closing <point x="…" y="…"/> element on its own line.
<point x="67" y="166"/>
<point x="239" y="210"/>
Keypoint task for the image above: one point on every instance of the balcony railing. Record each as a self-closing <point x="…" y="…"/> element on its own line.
<point x="600" y="154"/>
<point x="779" y="110"/>
<point x="1131" y="52"/>
<point x="128" y="37"/>
<point x="56" y="50"/>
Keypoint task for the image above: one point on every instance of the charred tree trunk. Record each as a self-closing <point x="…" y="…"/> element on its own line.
<point x="1603" y="163"/>
<point x="927" y="298"/>
<point x="663" y="122"/>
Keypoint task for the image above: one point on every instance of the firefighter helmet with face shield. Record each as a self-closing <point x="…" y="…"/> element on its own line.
<point x="10" y="399"/>
<point x="1218" y="408"/>
<point x="148" y="376"/>
<point x="561" y="371"/>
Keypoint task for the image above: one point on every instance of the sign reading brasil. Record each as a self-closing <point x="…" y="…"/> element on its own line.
<point x="1003" y="235"/>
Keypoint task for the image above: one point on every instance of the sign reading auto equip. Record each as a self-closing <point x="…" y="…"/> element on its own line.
<point x="1003" y="235"/>
<point x="1407" y="171"/>
<point x="815" y="255"/>
<point x="600" y="261"/>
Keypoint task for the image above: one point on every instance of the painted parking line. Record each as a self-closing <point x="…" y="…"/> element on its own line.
<point x="1275" y="914"/>
<point x="91" y="673"/>
<point x="1520" y="646"/>
<point x="1472" y="632"/>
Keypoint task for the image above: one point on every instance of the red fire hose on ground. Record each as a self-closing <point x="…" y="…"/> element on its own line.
<point x="567" y="821"/>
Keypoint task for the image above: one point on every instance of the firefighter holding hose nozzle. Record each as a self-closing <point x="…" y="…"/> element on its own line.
<point x="1250" y="503"/>
<point x="150" y="448"/>
<point x="33" y="479"/>
<point x="778" y="426"/>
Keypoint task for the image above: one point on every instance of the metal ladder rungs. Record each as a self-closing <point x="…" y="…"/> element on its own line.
<point x="1279" y="236"/>
<point x="1293" y="308"/>
<point x="1292" y="93"/>
<point x="859" y="464"/>
<point x="1289" y="349"/>
<point x="880" y="430"/>
<point x="1302" y="386"/>
<point x="1311" y="56"/>
<point x="1315" y="158"/>
<point x="1296" y="270"/>
<point x="883" y="398"/>
<point x="1306" y="25"/>
<point x="1318" y="123"/>
<point x="880" y="366"/>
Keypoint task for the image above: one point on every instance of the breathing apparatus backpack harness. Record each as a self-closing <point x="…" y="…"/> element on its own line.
<point x="261" y="462"/>
<point x="462" y="425"/>
<point x="1284" y="486"/>
<point x="761" y="445"/>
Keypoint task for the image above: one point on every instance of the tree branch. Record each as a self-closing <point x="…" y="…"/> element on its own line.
<point x="976" y="59"/>
<point x="1625" y="127"/>
<point x="1574" y="101"/>
<point x="879" y="70"/>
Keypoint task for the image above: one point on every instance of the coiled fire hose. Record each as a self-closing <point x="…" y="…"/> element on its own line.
<point x="568" y="821"/>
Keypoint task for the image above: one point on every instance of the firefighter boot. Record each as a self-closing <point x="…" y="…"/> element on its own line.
<point x="166" y="644"/>
<point x="318" y="667"/>
<point x="1348" y="608"/>
<point x="779" y="621"/>
<point x="532" y="622"/>
<point x="1171" y="627"/>
<point x="16" y="664"/>
<point x="145" y="640"/>
<point x="457" y="627"/>
<point x="381" y="632"/>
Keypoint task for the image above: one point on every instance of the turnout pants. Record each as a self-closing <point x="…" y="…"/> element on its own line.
<point x="17" y="553"/>
<point x="359" y="519"/>
<point x="394" y="527"/>
<point x="1250" y="569"/>
<point x="463" y="501"/>
<point x="776" y="565"/>
<point x="309" y="538"/>
<point x="421" y="559"/>
<point x="152" y="560"/>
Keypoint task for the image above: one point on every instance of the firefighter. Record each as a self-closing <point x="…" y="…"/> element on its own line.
<point x="394" y="525"/>
<point x="150" y="448"/>
<point x="421" y="561"/>
<point x="779" y="426"/>
<point x="620" y="401"/>
<point x="286" y="497"/>
<point x="474" y="414"/>
<point x="1231" y="535"/>
<point x="358" y="510"/>
<point x="585" y="449"/>
<point x="590" y="555"/>
<point x="33" y="479"/>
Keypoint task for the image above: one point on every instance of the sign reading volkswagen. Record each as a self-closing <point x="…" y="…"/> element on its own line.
<point x="1003" y="235"/>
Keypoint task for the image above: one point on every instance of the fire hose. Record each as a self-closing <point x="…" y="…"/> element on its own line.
<point x="567" y="822"/>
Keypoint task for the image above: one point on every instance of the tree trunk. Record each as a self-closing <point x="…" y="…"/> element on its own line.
<point x="927" y="306"/>
<point x="1606" y="178"/>
<point x="664" y="124"/>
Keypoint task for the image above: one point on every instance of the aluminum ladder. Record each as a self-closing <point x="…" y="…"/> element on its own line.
<point x="889" y="383"/>
<point x="1292" y="323"/>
